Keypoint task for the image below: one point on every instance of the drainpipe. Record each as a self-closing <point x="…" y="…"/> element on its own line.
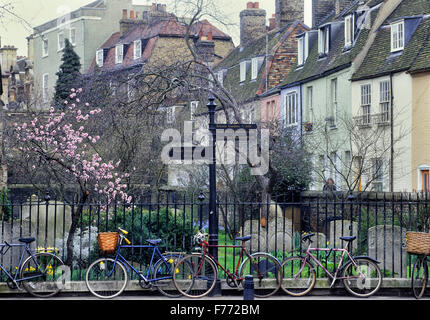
<point x="392" y="135"/>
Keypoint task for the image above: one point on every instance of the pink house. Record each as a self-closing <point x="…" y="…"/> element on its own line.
<point x="270" y="106"/>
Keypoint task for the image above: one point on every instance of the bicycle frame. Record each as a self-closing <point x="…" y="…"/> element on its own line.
<point x="339" y="266"/>
<point x="243" y="252"/>
<point x="26" y="249"/>
<point x="147" y="278"/>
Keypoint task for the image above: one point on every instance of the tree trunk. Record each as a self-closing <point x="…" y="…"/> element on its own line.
<point x="76" y="214"/>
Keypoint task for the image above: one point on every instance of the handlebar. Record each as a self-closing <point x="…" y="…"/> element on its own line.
<point x="122" y="234"/>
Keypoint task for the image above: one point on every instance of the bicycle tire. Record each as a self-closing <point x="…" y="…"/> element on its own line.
<point x="51" y="272"/>
<point x="419" y="277"/>
<point x="360" y="286"/>
<point x="266" y="272"/>
<point x="166" y="286"/>
<point x="298" y="276"/>
<point x="195" y="275"/>
<point x="105" y="282"/>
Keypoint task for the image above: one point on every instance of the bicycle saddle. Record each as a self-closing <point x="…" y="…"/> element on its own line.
<point x="308" y="237"/>
<point x="26" y="240"/>
<point x="244" y="238"/>
<point x="154" y="241"/>
<point x="348" y="238"/>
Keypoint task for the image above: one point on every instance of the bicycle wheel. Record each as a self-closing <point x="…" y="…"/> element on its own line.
<point x="106" y="278"/>
<point x="195" y="275"/>
<point x="419" y="277"/>
<point x="298" y="276"/>
<point x="163" y="270"/>
<point x="266" y="272"/>
<point x="362" y="277"/>
<point x="45" y="271"/>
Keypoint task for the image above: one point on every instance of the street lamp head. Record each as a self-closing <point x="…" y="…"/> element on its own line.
<point x="211" y="105"/>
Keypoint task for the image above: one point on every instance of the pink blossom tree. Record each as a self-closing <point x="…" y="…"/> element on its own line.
<point x="59" y="143"/>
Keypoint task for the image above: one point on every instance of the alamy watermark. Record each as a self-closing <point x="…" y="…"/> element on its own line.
<point x="232" y="146"/>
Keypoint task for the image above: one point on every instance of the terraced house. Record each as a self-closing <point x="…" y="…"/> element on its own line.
<point x="264" y="57"/>
<point x="390" y="97"/>
<point x="320" y="98"/>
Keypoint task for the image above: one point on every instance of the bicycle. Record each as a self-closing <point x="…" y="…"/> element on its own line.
<point x="420" y="276"/>
<point x="107" y="277"/>
<point x="361" y="275"/>
<point x="196" y="274"/>
<point x="40" y="274"/>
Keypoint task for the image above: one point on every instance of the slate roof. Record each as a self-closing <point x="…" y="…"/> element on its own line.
<point x="337" y="58"/>
<point x="247" y="91"/>
<point x="149" y="34"/>
<point x="415" y="56"/>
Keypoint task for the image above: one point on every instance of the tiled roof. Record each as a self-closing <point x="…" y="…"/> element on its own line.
<point x="248" y="90"/>
<point x="380" y="60"/>
<point x="149" y="35"/>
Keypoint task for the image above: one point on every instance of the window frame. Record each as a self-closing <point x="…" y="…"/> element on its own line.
<point x="291" y="109"/>
<point x="398" y="36"/>
<point x="45" y="53"/>
<point x="45" y="87"/>
<point x="254" y="68"/>
<point x="243" y="71"/>
<point x="366" y="102"/>
<point x="60" y="33"/>
<point x="385" y="100"/>
<point x="117" y="47"/>
<point x="137" y="54"/>
<point x="324" y="41"/>
<point x="100" y="62"/>
<point x="72" y="39"/>
<point x="349" y="30"/>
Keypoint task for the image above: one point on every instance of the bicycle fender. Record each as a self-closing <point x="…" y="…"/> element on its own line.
<point x="367" y="257"/>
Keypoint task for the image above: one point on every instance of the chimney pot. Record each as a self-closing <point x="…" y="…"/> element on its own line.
<point x="250" y="5"/>
<point x="210" y="37"/>
<point x="124" y="14"/>
<point x="256" y="5"/>
<point x="131" y="14"/>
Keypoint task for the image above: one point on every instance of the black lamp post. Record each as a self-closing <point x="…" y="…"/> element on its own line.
<point x="213" y="216"/>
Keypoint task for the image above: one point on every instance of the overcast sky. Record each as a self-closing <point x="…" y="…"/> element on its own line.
<point x="35" y="12"/>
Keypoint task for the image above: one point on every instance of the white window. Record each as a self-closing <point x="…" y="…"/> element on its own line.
<point x="45" y="84"/>
<point x="366" y="102"/>
<point x="310" y="103"/>
<point x="73" y="36"/>
<point x="324" y="40"/>
<point x="291" y="109"/>
<point x="119" y="53"/>
<point x="384" y="100"/>
<point x="349" y="30"/>
<point x="193" y="108"/>
<point x="220" y="76"/>
<point x="242" y="71"/>
<point x="300" y="51"/>
<point x="45" y="47"/>
<point x="137" y="49"/>
<point x="60" y="40"/>
<point x="397" y="36"/>
<point x="333" y="111"/>
<point x="254" y="68"/>
<point x="99" y="58"/>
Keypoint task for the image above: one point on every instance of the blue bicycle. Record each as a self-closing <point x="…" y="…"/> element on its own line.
<point x="107" y="277"/>
<point x="40" y="273"/>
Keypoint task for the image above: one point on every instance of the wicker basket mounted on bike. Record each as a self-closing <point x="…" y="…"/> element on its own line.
<point x="418" y="243"/>
<point x="108" y="242"/>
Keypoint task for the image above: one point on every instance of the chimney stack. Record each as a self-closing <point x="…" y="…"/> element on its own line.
<point x="252" y="23"/>
<point x="288" y="11"/>
<point x="321" y="9"/>
<point x="272" y="22"/>
<point x="341" y="5"/>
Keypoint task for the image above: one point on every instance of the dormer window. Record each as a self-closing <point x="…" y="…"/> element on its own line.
<point x="99" y="58"/>
<point x="324" y="40"/>
<point x="137" y="49"/>
<point x="254" y="68"/>
<point x="349" y="31"/>
<point x="119" y="53"/>
<point x="242" y="71"/>
<point x="302" y="49"/>
<point x="397" y="36"/>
